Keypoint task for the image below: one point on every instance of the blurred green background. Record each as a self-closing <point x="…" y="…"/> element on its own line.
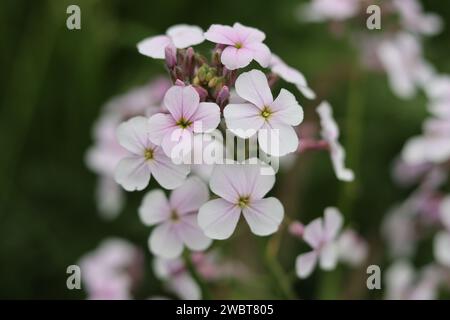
<point x="54" y="82"/>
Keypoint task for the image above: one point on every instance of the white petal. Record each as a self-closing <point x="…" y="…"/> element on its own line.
<point x="277" y="139"/>
<point x="243" y="120"/>
<point x="185" y="287"/>
<point x="191" y="234"/>
<point x="260" y="179"/>
<point x="165" y="242"/>
<point x="184" y="36"/>
<point x="154" y="208"/>
<point x="261" y="53"/>
<point x="133" y="135"/>
<point x="188" y="198"/>
<point x="159" y="125"/>
<point x="332" y="222"/>
<point x="154" y="46"/>
<point x="218" y="218"/>
<point x="264" y="216"/>
<point x="132" y="173"/>
<point x="444" y="210"/>
<point x="182" y="102"/>
<point x="168" y="174"/>
<point x="442" y="248"/>
<point x="253" y="87"/>
<point x="328" y="256"/>
<point x="206" y="117"/>
<point x="305" y="264"/>
<point x="234" y="58"/>
<point x="313" y="233"/>
<point x="229" y="182"/>
<point x="286" y="109"/>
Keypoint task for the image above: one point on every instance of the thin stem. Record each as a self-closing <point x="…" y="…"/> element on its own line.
<point x="206" y="294"/>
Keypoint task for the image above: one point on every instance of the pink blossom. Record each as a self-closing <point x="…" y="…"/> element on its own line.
<point x="264" y="115"/>
<point x="180" y="36"/>
<point x="241" y="188"/>
<point x="291" y="75"/>
<point x="145" y="159"/>
<point x="321" y="235"/>
<point x="330" y="133"/>
<point x="187" y="115"/>
<point x="296" y="229"/>
<point x="242" y="45"/>
<point x="415" y="20"/>
<point x="176" y="219"/>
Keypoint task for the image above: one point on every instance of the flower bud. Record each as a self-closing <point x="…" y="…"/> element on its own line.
<point x="222" y="96"/>
<point x="296" y="229"/>
<point x="201" y="92"/>
<point x="171" y="56"/>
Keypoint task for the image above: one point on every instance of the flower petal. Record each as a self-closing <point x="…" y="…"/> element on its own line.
<point x="234" y="58"/>
<point x="248" y="34"/>
<point x="184" y="35"/>
<point x="313" y="233"/>
<point x="286" y="109"/>
<point x="154" y="46"/>
<point x="218" y="218"/>
<point x="154" y="208"/>
<point x="277" y="139"/>
<point x="182" y="102"/>
<point x="332" y="223"/>
<point x="221" y="34"/>
<point x="188" y="198"/>
<point x="305" y="264"/>
<point x="229" y="182"/>
<point x="165" y="242"/>
<point x="132" y="173"/>
<point x="158" y="126"/>
<point x="254" y="87"/>
<point x="168" y="174"/>
<point x="261" y="53"/>
<point x="260" y="179"/>
<point x="264" y="216"/>
<point x="206" y="117"/>
<point x="243" y="120"/>
<point x="191" y="234"/>
<point x="328" y="256"/>
<point x="133" y="135"/>
<point x="442" y="248"/>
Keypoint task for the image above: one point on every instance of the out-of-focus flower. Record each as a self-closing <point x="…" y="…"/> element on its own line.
<point x="442" y="248"/>
<point x="321" y="235"/>
<point x="111" y="270"/>
<point x="145" y="159"/>
<point x="403" y="283"/>
<point x="291" y="75"/>
<point x="438" y="92"/>
<point x="264" y="115"/>
<point x="241" y="188"/>
<point x="353" y="249"/>
<point x="296" y="229"/>
<point x="444" y="211"/>
<point x="413" y="19"/>
<point x="242" y="45"/>
<point x="330" y="133"/>
<point x="323" y="10"/>
<point x="187" y="115"/>
<point x="176" y="218"/>
<point x="180" y="36"/>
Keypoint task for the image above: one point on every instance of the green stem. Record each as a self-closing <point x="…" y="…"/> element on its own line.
<point x="206" y="294"/>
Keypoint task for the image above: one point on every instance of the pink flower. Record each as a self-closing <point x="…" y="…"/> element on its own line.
<point x="241" y="188"/>
<point x="176" y="219"/>
<point x="145" y="159"/>
<point x="243" y="44"/>
<point x="263" y="115"/>
<point x="187" y="115"/>
<point x="180" y="36"/>
<point x="330" y="133"/>
<point x="415" y="20"/>
<point x="321" y="235"/>
<point x="291" y="75"/>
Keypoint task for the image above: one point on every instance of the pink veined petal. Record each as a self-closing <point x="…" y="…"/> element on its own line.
<point x="191" y="234"/>
<point x="253" y="87"/>
<point x="221" y="34"/>
<point x="190" y="196"/>
<point x="132" y="173"/>
<point x="264" y="216"/>
<point x="328" y="256"/>
<point x="184" y="35"/>
<point x="229" y="182"/>
<point x="177" y="144"/>
<point x="165" y="242"/>
<point x="313" y="233"/>
<point x="168" y="174"/>
<point x="248" y="34"/>
<point x="337" y="154"/>
<point x="259" y="180"/>
<point x="160" y="125"/>
<point x="185" y="287"/>
<point x="234" y="58"/>
<point x="154" y="208"/>
<point x="261" y="53"/>
<point x="218" y="218"/>
<point x="305" y="264"/>
<point x="244" y="120"/>
<point x="133" y="135"/>
<point x="154" y="46"/>
<point x="182" y="102"/>
<point x="277" y="139"/>
<point x="332" y="223"/>
<point x="206" y="118"/>
<point x="286" y="109"/>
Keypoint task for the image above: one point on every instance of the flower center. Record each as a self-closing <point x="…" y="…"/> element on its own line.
<point x="238" y="45"/>
<point x="174" y="216"/>
<point x="148" y="154"/>
<point x="266" y="113"/>
<point x="243" y="201"/>
<point x="183" y="123"/>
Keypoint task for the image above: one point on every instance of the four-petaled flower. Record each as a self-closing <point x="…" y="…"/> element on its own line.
<point x="187" y="115"/>
<point x="242" y="45"/>
<point x="176" y="218"/>
<point x="321" y="235"/>
<point x="271" y="119"/>
<point x="241" y="188"/>
<point x="180" y="36"/>
<point x="145" y="158"/>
